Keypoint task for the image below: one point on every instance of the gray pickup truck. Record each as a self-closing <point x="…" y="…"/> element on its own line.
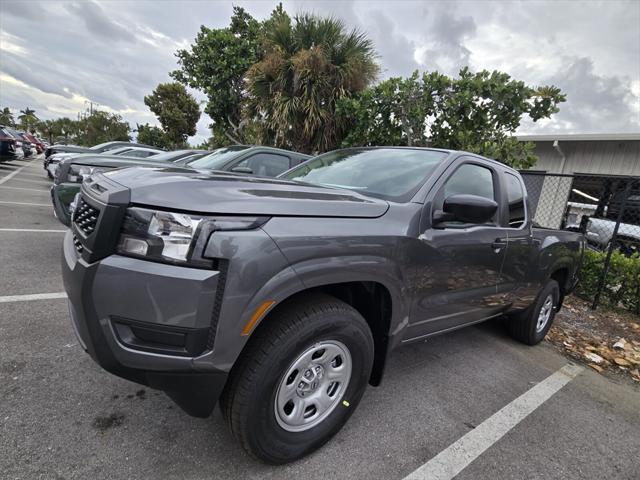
<point x="282" y="298"/>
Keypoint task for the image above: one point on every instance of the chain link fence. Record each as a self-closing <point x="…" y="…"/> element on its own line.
<point x="607" y="210"/>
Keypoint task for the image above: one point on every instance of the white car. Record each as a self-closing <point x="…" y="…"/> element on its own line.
<point x="130" y="152"/>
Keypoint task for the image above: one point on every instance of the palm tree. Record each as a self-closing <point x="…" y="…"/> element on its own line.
<point x="307" y="66"/>
<point x="28" y="119"/>
<point x="67" y="128"/>
<point x="48" y="128"/>
<point x="6" y="117"/>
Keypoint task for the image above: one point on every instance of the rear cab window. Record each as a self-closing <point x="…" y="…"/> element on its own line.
<point x="515" y="200"/>
<point x="139" y="153"/>
<point x="265" y="164"/>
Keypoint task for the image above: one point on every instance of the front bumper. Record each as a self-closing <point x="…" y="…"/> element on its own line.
<point x="146" y="322"/>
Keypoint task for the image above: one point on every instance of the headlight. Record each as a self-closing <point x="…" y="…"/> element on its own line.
<point x="77" y="173"/>
<point x="175" y="237"/>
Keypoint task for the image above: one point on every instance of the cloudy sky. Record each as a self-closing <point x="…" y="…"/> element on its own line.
<point x="57" y="56"/>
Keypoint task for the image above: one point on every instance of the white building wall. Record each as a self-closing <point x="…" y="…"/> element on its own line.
<point x="591" y="157"/>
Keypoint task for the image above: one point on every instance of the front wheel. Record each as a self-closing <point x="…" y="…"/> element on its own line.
<point x="299" y="379"/>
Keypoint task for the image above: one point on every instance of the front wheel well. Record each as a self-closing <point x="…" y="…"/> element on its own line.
<point x="372" y="300"/>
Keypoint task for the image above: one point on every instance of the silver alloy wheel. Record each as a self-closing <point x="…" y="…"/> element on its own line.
<point x="313" y="386"/>
<point x="545" y="313"/>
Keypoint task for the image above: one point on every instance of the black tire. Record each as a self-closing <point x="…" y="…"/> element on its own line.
<point x="523" y="326"/>
<point x="248" y="402"/>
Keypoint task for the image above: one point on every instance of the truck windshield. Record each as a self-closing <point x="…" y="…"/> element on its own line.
<point x="218" y="158"/>
<point x="102" y="146"/>
<point x="389" y="173"/>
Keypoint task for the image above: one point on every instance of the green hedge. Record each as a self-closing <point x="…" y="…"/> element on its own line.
<point x="622" y="288"/>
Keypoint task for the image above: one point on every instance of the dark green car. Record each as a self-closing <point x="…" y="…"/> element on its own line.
<point x="246" y="159"/>
<point x="72" y="171"/>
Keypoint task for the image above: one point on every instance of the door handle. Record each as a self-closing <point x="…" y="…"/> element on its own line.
<point x="498" y="244"/>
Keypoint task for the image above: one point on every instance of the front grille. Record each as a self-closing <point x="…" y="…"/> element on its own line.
<point x="85" y="217"/>
<point x="77" y="244"/>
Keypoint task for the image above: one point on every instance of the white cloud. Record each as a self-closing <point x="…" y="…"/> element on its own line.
<point x="12" y="44"/>
<point x="114" y="53"/>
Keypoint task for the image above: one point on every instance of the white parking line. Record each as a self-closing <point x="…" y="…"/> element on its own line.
<point x="33" y="296"/>
<point x="27" y="189"/>
<point x="28" y="180"/>
<point x="38" y="173"/>
<point x="31" y="230"/>
<point x="27" y="204"/>
<point x="11" y="175"/>
<point x="457" y="456"/>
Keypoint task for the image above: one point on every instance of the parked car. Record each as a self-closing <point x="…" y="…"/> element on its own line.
<point x="22" y="142"/>
<point x="38" y="145"/>
<point x="135" y="152"/>
<point x="599" y="233"/>
<point x="252" y="160"/>
<point x="51" y="163"/>
<point x="72" y="171"/>
<point x="182" y="157"/>
<point x="283" y="297"/>
<point x="100" y="148"/>
<point x="8" y="149"/>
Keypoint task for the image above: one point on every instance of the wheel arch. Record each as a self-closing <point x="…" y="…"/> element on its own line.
<point x="561" y="274"/>
<point x="372" y="299"/>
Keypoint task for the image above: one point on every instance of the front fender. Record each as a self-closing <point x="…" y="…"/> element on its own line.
<point x="254" y="270"/>
<point x="339" y="250"/>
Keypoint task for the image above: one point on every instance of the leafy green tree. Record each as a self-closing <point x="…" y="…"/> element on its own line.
<point x="68" y="129"/>
<point x="48" y="129"/>
<point x="6" y="117"/>
<point x="216" y="64"/>
<point x="205" y="145"/>
<point x="477" y="112"/>
<point x="480" y="113"/>
<point x="101" y="127"/>
<point x="176" y="109"/>
<point x="28" y="119"/>
<point x="389" y="113"/>
<point x="152" y="135"/>
<point x="308" y="65"/>
<point x="97" y="128"/>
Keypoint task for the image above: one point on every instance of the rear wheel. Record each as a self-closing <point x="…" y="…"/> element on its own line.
<point x="299" y="380"/>
<point x="532" y="325"/>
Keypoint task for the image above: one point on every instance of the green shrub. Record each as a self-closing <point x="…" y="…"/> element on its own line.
<point x="622" y="286"/>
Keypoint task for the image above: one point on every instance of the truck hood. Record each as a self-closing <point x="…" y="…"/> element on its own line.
<point x="227" y="193"/>
<point x="69" y="149"/>
<point x="111" y="161"/>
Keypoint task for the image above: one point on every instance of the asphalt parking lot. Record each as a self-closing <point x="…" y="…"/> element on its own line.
<point x="61" y="416"/>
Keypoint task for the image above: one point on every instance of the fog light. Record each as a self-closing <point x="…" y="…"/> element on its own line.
<point x="134" y="246"/>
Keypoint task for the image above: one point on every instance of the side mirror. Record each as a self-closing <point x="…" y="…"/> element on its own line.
<point x="466" y="209"/>
<point x="246" y="170"/>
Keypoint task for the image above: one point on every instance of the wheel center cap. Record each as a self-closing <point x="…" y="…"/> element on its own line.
<point x="310" y="380"/>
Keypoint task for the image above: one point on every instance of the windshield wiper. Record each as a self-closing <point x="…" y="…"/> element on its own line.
<point x="348" y="187"/>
